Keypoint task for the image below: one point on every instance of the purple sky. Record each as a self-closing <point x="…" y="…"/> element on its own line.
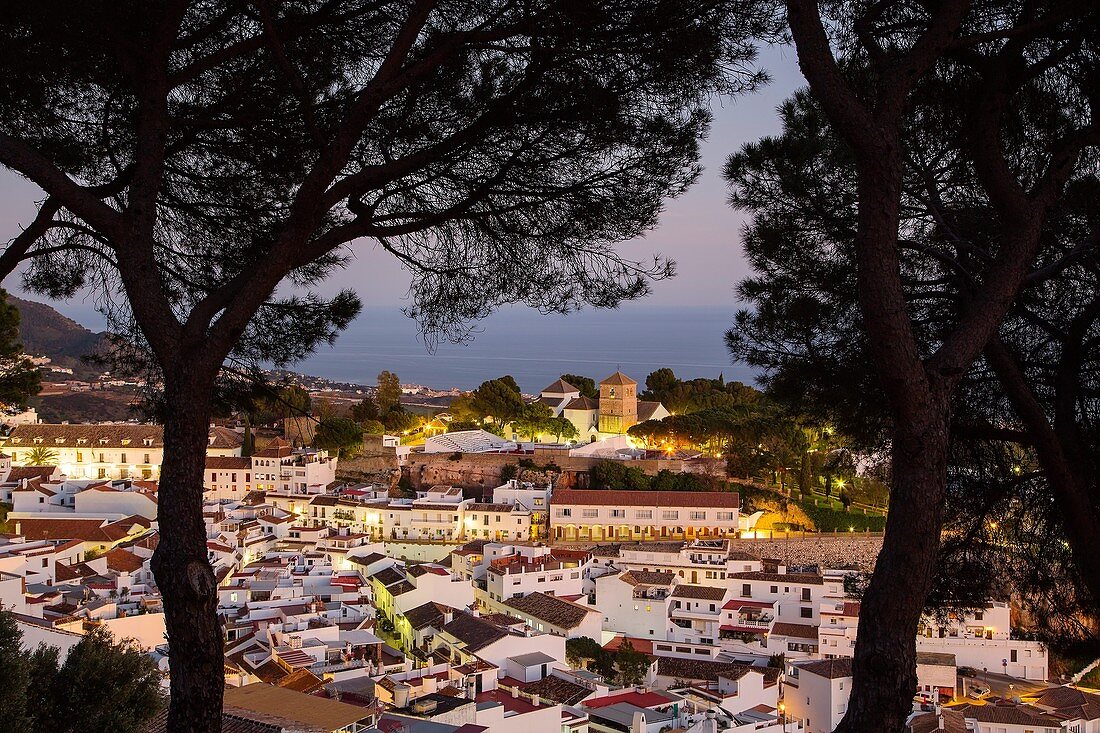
<point x="698" y="230"/>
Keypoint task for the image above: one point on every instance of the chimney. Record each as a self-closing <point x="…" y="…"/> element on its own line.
<point x="400" y="695"/>
<point x="471" y="690"/>
<point x="515" y="693"/>
<point x="535" y="700"/>
<point x="637" y="724"/>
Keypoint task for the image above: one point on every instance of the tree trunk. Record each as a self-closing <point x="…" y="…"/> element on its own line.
<point x="884" y="664"/>
<point x="180" y="564"/>
<point x="805" y="475"/>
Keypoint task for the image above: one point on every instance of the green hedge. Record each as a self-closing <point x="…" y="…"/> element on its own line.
<point x="832" y="520"/>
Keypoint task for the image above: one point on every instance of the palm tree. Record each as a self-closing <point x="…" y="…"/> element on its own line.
<point x="39" y="456"/>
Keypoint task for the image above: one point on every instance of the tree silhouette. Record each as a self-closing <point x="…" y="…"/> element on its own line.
<point x="210" y="162"/>
<point x="867" y="66"/>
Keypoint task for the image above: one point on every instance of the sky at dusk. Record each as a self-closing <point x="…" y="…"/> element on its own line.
<point x="699" y="230"/>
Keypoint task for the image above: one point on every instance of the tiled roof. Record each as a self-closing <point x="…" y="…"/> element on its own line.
<point x="643" y="577"/>
<point x="560" y="387"/>
<point x="1071" y="701"/>
<point x="222" y="437"/>
<point x="936" y="659"/>
<point x="228" y="463"/>
<point x="232" y="722"/>
<point x="88" y="530"/>
<point x="655" y="499"/>
<point x="618" y="378"/>
<point x="427" y="614"/>
<point x="559" y="690"/>
<point x="23" y="473"/>
<point x="550" y="609"/>
<point x="307" y="711"/>
<point x="709" y="670"/>
<point x="277" y="448"/>
<point x="583" y="403"/>
<point x="1009" y="714"/>
<point x="830" y="669"/>
<point x="793" y="578"/>
<point x="646" y="409"/>
<point x="95" y="436"/>
<point x="388" y="577"/>
<point x="474" y="632"/>
<point x="301" y="680"/>
<point x="800" y="631"/>
<point x="953" y="722"/>
<point x="123" y="561"/>
<point x="703" y="592"/>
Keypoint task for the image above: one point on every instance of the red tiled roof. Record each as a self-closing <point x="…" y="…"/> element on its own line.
<point x="123" y="561"/>
<point x="737" y="603"/>
<point x="227" y="463"/>
<point x="829" y="668"/>
<point x="649" y="699"/>
<point x="799" y="631"/>
<point x="618" y="378"/>
<point x="21" y="473"/>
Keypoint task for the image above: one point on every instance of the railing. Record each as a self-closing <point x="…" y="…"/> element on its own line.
<point x="750" y="623"/>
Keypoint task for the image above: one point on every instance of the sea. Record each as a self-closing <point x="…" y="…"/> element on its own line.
<point x="534" y="348"/>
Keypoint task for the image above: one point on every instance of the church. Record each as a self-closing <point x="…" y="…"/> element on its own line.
<point x="617" y="409"/>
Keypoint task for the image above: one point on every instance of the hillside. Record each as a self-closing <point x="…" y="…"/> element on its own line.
<point x="45" y="332"/>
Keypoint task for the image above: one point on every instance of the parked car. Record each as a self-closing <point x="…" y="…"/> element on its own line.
<point x="979" y="690"/>
<point x="968" y="672"/>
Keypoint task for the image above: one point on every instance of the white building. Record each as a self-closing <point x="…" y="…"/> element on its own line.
<point x="106" y="451"/>
<point x="636" y="603"/>
<point x="701" y="562"/>
<point x="589" y="515"/>
<point x="816" y="693"/>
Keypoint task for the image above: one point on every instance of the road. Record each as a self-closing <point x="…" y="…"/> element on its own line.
<point x="1001" y="685"/>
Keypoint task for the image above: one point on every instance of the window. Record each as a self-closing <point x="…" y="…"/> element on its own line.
<point x="979" y="616"/>
<point x="123" y="460"/>
<point x="746" y="590"/>
<point x="643" y="514"/>
<point x="1012" y="655"/>
<point x="725" y="516"/>
<point x="698" y="515"/>
<point x="775" y="589"/>
<point x="590" y="513"/>
<point x="805" y="594"/>
<point x="806" y="612"/>
<point x="565" y="512"/>
<point x="670" y="515"/>
<point x="618" y="512"/>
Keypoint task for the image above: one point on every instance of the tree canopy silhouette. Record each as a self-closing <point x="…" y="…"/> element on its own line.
<point x="205" y="163"/>
<point x="880" y="73"/>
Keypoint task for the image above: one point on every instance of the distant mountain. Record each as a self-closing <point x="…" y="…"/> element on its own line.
<point x="45" y="332"/>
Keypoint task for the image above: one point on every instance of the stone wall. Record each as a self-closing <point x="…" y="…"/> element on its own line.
<point x="483" y="469"/>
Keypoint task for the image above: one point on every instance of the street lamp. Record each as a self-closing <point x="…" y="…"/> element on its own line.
<point x="783" y="716"/>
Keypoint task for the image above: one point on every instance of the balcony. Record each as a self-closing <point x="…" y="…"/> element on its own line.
<point x="763" y="623"/>
<point x="696" y="613"/>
